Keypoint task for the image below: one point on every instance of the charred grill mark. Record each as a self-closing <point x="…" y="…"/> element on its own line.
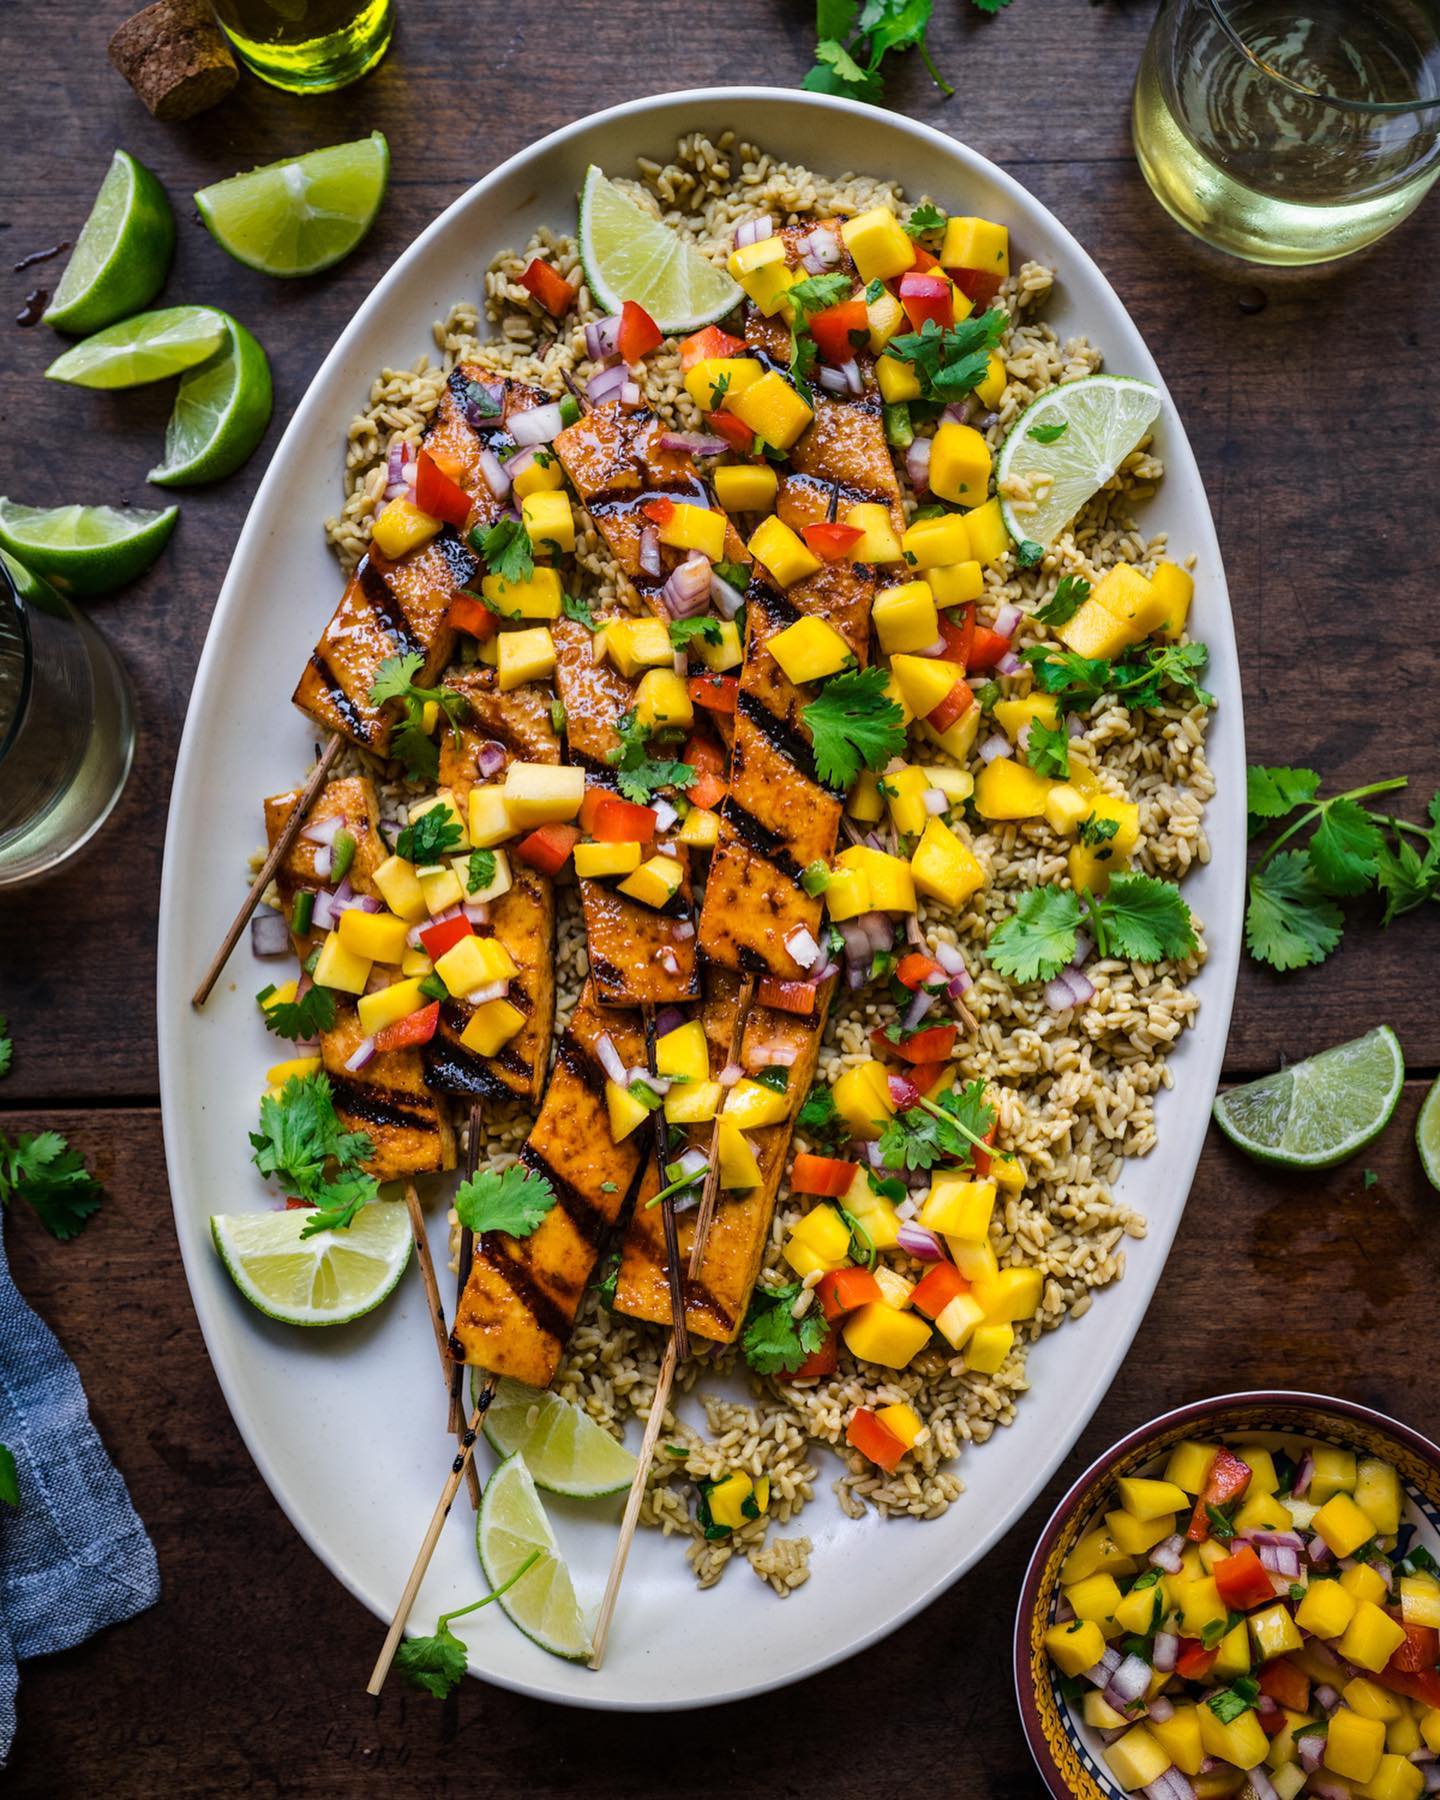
<point x="853" y="493"/>
<point x="453" y="1069"/>
<point x="591" y="1224"/>
<point x="380" y="597"/>
<point x="356" y="724"/>
<point x="752" y="961"/>
<point x="779" y="610"/>
<point x="462" y="562"/>
<point x="606" y="973"/>
<point x="612" y="503"/>
<point x="780" y="734"/>
<point x="601" y="772"/>
<point x="698" y="1298"/>
<point x="550" y="1318"/>
<point x="377" y="1107"/>
<point x="578" y="1060"/>
<point x="759" y="839"/>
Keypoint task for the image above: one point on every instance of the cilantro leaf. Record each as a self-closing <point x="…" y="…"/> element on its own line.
<point x="506" y="548"/>
<point x="1345" y="850"/>
<point x="949" y="362"/>
<point x="1144" y="919"/>
<point x="426" y="839"/>
<point x="299" y="1136"/>
<point x="925" y="218"/>
<point x="1136" y="682"/>
<point x="9" y="1480"/>
<point x="1065" y="602"/>
<point x="683" y="632"/>
<point x="1093" y="832"/>
<point x="1241" y="1696"/>
<point x="1038" y="939"/>
<point x="394" y="677"/>
<point x="41" y="1169"/>
<point x="989" y="7"/>
<point x="1290" y="922"/>
<point x="837" y="72"/>
<point x="337" y="1202"/>
<point x="1405" y="879"/>
<point x="410" y="743"/>
<point x="480" y="871"/>
<point x="512" y="1200"/>
<point x="1048" y="434"/>
<point x="638" y="774"/>
<point x="817" y="292"/>
<point x="1028" y="553"/>
<point x="774" y="1342"/>
<point x="432" y="1664"/>
<point x="1271" y="793"/>
<point x="304" y="1018"/>
<point x="938" y="1131"/>
<point x="580" y="611"/>
<point x="819" y="1118"/>
<point x="6" y="1047"/>
<point x="1047" y="749"/>
<point x="853" y="724"/>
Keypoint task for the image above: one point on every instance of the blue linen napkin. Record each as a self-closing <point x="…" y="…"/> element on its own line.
<point x="73" y="1555"/>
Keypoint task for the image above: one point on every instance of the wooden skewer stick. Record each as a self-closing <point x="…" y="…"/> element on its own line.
<point x="271" y="863"/>
<point x="666" y="1378"/>
<point x="448" y="1366"/>
<point x="674" y="1272"/>
<point x="462" y="1276"/>
<point x="432" y="1537"/>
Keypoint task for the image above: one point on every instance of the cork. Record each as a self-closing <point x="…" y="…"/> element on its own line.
<point x="175" y="57"/>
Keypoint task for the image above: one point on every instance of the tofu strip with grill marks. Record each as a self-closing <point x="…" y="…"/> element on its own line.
<point x="396" y="608"/>
<point x="639" y="955"/>
<point x="522" y="918"/>
<point x="520" y="1302"/>
<point x="717" y="1297"/>
<point x="349" y="797"/>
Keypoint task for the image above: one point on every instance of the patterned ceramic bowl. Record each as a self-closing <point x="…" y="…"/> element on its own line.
<point x="1067" y="1752"/>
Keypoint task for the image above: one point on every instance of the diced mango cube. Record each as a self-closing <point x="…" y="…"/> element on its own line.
<point x="750" y="1104"/>
<point x="862" y="1098"/>
<point x="694" y="1103"/>
<point x="1136" y="1536"/>
<point x="904" y="790"/>
<point x="885" y="317"/>
<point x="957" y="583"/>
<point x="541" y="472"/>
<point x="746" y="487"/>
<point x="899" y="381"/>
<point x="745" y="259"/>
<point x="959" y="1208"/>
<point x="991" y="390"/>
<point x="1335" y="1473"/>
<point x="634" y="645"/>
<point x="1353" y="1746"/>
<point x="1396" y="1778"/>
<point x="989" y="540"/>
<point x="772" y="409"/>
<point x="809" y="650"/>
<point x="944" y="866"/>
<point x="976" y="244"/>
<point x="1076" y="1646"/>
<point x="1377" y="1494"/>
<point x="656" y="882"/>
<point x="726" y="653"/>
<point x="715" y="380"/>
<point x="402" y="527"/>
<point x="1420" y="1599"/>
<point x="905" y="617"/>
<point x="525" y="656"/>
<point x="1326" y="1609"/>
<point x="1176" y="588"/>
<point x="877" y="244"/>
<point x="1012" y="1295"/>
<point x="937" y="543"/>
<point x="493" y="1023"/>
<point x="1233" y="1655"/>
<point x="879" y="544"/>
<point x="959" y="464"/>
<point x="373" y="937"/>
<point x="625" y="1111"/>
<point x="341" y="968"/>
<point x="1364" y="1583"/>
<point x="595" y="861"/>
<point x="661" y="700"/>
<point x="489" y="822"/>
<point x="683" y="1052"/>
<point x="1013" y="716"/>
<point x="1343" y="1525"/>
<point x="474" y="962"/>
<point x="441" y="887"/>
<point x="687" y="527"/>
<point x="1372" y="1701"/>
<point x="1094" y="631"/>
<point x="1273" y="1632"/>
<point x="988" y="1347"/>
<point x="1091" y="867"/>
<point x="538" y="596"/>
<point x="549" y="522"/>
<point x="782" y="552"/>
<point x="1371" y="1638"/>
<point x="727" y="1498"/>
<point x="1189" y="1465"/>
<point x="1126" y="593"/>
<point x="892" y="886"/>
<point x="542" y="793"/>
<point x="924" y="681"/>
<point x="1180" y="1736"/>
<point x="1006" y="789"/>
<point x="1096" y="1597"/>
<point x="905" y="1422"/>
<point x="1199" y="1604"/>
<point x="878" y="1333"/>
<point x="700" y="829"/>
<point x="1242" y="1741"/>
<point x="400" y="888"/>
<point x="1149" y="1499"/>
<point x="1065" y="806"/>
<point x="1263" y="1512"/>
<point x="1137" y="1759"/>
<point x="296" y="1067"/>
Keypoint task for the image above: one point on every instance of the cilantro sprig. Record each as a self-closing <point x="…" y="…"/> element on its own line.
<point x="479" y="871"/>
<point x="301" y="1143"/>
<point x="427" y="838"/>
<point x="949" y="361"/>
<point x="924" y="219"/>
<point x="853" y="724"/>
<point x="774" y="1342"/>
<point x="947" y="1129"/>
<point x="436" y="1664"/>
<point x="41" y="1169"/>
<point x="1294" y="919"/>
<point x="855" y="38"/>
<point x="302" y="1019"/>
<point x="639" y="774"/>
<point x="1137" y="682"/>
<point x="1047" y="749"/>
<point x="512" y="1200"/>
<point x="1139" y="917"/>
<point x="1070" y="595"/>
<point x="409" y="742"/>
<point x="506" y="548"/>
<point x="683" y="632"/>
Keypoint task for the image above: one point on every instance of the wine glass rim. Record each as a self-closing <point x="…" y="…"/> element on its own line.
<point x="27" y="667"/>
<point x="1381" y="108"/>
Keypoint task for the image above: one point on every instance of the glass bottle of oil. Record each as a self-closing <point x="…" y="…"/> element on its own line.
<point x="308" y="46"/>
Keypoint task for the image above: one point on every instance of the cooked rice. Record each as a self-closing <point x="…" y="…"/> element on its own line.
<point x="1075" y="1090"/>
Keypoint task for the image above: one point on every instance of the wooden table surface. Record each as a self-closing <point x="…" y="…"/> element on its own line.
<point x="1304" y="397"/>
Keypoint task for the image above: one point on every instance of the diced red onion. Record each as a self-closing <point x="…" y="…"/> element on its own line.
<point x="1099" y="1674"/>
<point x="728" y="600"/>
<point x="1129" y="1681"/>
<point x="879" y="930"/>
<point x="907" y="1209"/>
<point x="323" y="831"/>
<point x="730" y="1074"/>
<point x="680" y="662"/>
<point x="609" y="1059"/>
<point x="497" y="476"/>
<point x="1166" y="1555"/>
<point x="1022" y="736"/>
<point x="855" y="977"/>
<point x="477" y="912"/>
<point x="753" y="231"/>
<point x="1165" y="1649"/>
<point x="1432" y="1779"/>
<point x="935" y="801"/>
<point x="902" y="1091"/>
<point x="949" y="958"/>
<point x="491" y="758"/>
<point x="665" y="815"/>
<point x="1074" y="725"/>
<point x="959" y="985"/>
<point x="774" y="1056"/>
<point x="1304" y="1475"/>
<point x="1159" y="1708"/>
<point x="323" y="915"/>
<point x="1007" y="621"/>
<point x="602" y="338"/>
<point x="833" y="381"/>
<point x="630" y="394"/>
<point x="994" y="747"/>
<point x="693" y="443"/>
<point x="819" y="251"/>
<point x="1009" y="664"/>
<point x="1069" y="988"/>
<point x="958" y="412"/>
<point x="872" y="1155"/>
<point x="668" y="1019"/>
<point x="916" y="1241"/>
<point x="1064" y="1611"/>
<point x="490" y="990"/>
<point x="1323" y="1788"/>
<point x="537" y="424"/>
<point x="366" y="903"/>
<point x="1326" y="1696"/>
<point x="606" y="385"/>
<point x="360" y="1055"/>
<point x="917" y="464"/>
<point x="521" y="460"/>
<point x="802" y="947"/>
<point x="1317" y="1550"/>
<point x="1311" y="1747"/>
<point x="1083" y="947"/>
<point x="1172" y="1785"/>
<point x="492" y="419"/>
<point x="938" y="648"/>
<point x="693" y="1162"/>
<point x="854" y="382"/>
<point x="269" y="933"/>
<point x="825" y="971"/>
<point x="667" y="850"/>
<point x="1282" y="1540"/>
<point x="918" y="1008"/>
<point x="324" y="860"/>
<point x="1422" y="1755"/>
<point x="857" y="941"/>
<point x="687" y="591"/>
<point x="650" y="550"/>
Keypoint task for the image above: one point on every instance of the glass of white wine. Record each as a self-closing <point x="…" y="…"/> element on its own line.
<point x="67" y="726"/>
<point x="1290" y="131"/>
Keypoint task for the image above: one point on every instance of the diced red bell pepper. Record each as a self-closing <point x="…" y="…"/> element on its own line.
<point x="736" y="433"/>
<point x="1193" y="1662"/>
<point x="936" y="1288"/>
<point x="551" y="290"/>
<point x="1243" y="1580"/>
<point x="987" y="648"/>
<point x="831" y="330"/>
<point x="548" y="847"/>
<point x="829" y="1175"/>
<point x="840" y="1291"/>
<point x="703" y="752"/>
<point x="873" y="1439"/>
<point x="1286" y="1684"/>
<point x="954" y="706"/>
<point x="1420" y="1651"/>
<point x="924" y="260"/>
<point x="418" y="1028"/>
<point x="819" y="1363"/>
<point x="916" y="971"/>
<point x="978" y="285"/>
<point x="707" y="790"/>
<point x="830" y="540"/>
<point x="982" y="1160"/>
<point x="925" y="297"/>
<point x="611" y="820"/>
<point x="904" y="1094"/>
<point x="658" y="509"/>
<point x="959" y="635"/>
<point x="796" y="997"/>
<point x="292" y="1204"/>
<point x="466" y="613"/>
<point x="933" y="1044"/>
<point x="700" y="346"/>
<point x="444" y="935"/>
<point x="638" y="334"/>
<point x="438" y="495"/>
<point x="1227" y="1480"/>
<point x="926" y="1075"/>
<point x="716" y="693"/>
<point x="1421" y="1684"/>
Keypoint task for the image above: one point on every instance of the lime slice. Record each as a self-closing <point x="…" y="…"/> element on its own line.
<point x="327" y="1279"/>
<point x="1319" y="1111"/>
<point x="122" y="255"/>
<point x="294" y="217"/>
<point x="1104" y="418"/>
<point x="1427" y="1135"/>
<point x="148" y="347"/>
<point x="85" y="549"/>
<point x="564" y="1449"/>
<point x="629" y="255"/>
<point x="220" y="413"/>
<point x="512" y="1525"/>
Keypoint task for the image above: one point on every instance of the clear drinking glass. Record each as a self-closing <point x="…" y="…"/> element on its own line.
<point x="67" y="727"/>
<point x="308" y="46"/>
<point x="1290" y="132"/>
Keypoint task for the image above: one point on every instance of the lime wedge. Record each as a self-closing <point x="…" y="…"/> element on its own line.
<point x="1317" y="1112"/>
<point x="512" y="1525"/>
<point x="564" y="1449"/>
<point x="220" y="413"/>
<point x="294" y="217"/>
<point x="1103" y="418"/>
<point x="327" y="1279"/>
<point x="628" y="255"/>
<point x="122" y="255"/>
<point x="148" y="347"/>
<point x="1427" y="1135"/>
<point x="85" y="549"/>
